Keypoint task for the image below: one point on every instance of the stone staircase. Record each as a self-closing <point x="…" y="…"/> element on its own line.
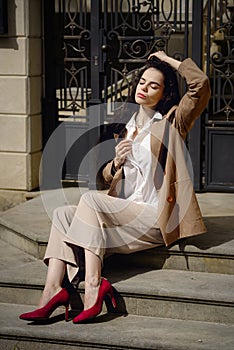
<point x="178" y="298"/>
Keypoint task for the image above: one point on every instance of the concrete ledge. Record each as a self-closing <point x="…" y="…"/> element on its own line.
<point x="27" y="226"/>
<point x="11" y="198"/>
<point x="111" y="332"/>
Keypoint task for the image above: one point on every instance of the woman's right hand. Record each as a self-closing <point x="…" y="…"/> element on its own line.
<point x="121" y="151"/>
<point x="164" y="57"/>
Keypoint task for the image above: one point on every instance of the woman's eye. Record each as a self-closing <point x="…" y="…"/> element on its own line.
<point x="153" y="86"/>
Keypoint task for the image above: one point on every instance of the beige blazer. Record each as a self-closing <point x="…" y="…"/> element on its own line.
<point x="179" y="215"/>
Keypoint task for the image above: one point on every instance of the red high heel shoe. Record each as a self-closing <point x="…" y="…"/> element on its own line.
<point x="104" y="289"/>
<point x="61" y="298"/>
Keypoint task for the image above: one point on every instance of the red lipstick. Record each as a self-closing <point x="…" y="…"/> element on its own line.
<point x="141" y="95"/>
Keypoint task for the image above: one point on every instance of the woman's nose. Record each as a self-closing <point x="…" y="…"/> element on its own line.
<point x="144" y="87"/>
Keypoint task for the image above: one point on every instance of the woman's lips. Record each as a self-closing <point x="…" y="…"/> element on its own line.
<point x="141" y="96"/>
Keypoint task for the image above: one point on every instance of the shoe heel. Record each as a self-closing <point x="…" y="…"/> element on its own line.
<point x="66" y="313"/>
<point x="112" y="298"/>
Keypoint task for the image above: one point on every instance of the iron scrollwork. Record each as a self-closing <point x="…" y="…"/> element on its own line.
<point x="140" y="28"/>
<point x="76" y="49"/>
<point x="132" y="29"/>
<point x="223" y="73"/>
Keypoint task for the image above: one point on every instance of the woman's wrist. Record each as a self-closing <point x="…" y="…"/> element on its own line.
<point x="168" y="59"/>
<point x="115" y="166"/>
<point x="117" y="163"/>
<point x="173" y="62"/>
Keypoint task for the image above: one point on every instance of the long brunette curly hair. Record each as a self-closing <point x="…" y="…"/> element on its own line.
<point x="171" y="95"/>
<point x="170" y="98"/>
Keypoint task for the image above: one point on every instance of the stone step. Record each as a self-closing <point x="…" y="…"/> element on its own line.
<point x="27" y="227"/>
<point x="210" y="252"/>
<point x="140" y="291"/>
<point x="109" y="331"/>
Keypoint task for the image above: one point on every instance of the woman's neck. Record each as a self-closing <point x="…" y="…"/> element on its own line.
<point x="144" y="115"/>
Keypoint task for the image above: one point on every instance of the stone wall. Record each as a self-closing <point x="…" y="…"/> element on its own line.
<point x="20" y="97"/>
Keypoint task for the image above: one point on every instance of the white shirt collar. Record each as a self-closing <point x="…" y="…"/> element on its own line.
<point x="157" y="115"/>
<point x="132" y="121"/>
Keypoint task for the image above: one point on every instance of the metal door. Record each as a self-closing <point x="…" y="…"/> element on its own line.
<point x="93" y="49"/>
<point x="219" y="122"/>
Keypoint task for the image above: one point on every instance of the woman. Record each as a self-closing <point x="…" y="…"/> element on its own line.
<point x="150" y="200"/>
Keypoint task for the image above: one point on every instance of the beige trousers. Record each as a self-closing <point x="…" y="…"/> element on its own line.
<point x="103" y="225"/>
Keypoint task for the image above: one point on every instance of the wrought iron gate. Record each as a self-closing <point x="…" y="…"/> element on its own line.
<point x="93" y="48"/>
<point x="219" y="122"/>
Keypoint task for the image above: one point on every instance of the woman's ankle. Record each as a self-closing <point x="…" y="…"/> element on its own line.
<point x="91" y="292"/>
<point x="48" y="293"/>
<point x="92" y="281"/>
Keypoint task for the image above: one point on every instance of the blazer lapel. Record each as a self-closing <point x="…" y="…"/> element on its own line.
<point x="159" y="146"/>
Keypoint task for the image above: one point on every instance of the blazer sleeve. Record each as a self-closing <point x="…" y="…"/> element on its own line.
<point x="196" y="98"/>
<point x="108" y="172"/>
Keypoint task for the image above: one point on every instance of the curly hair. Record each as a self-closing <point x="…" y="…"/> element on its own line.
<point x="171" y="95"/>
<point x="170" y="98"/>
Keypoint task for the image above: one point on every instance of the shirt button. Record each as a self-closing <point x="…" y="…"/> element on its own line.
<point x="170" y="199"/>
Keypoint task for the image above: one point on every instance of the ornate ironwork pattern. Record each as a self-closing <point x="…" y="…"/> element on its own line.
<point x="221" y="59"/>
<point x="134" y="29"/>
<point x="102" y="45"/>
<point x="75" y="40"/>
<point x="127" y="32"/>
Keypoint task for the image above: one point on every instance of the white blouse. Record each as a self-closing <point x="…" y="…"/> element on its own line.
<point x="138" y="183"/>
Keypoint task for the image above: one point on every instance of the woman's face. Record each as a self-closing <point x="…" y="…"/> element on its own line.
<point x="150" y="88"/>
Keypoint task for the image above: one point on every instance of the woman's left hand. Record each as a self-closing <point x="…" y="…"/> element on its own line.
<point x="121" y="151"/>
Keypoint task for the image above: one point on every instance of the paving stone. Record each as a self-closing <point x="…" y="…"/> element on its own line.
<point x="110" y="331"/>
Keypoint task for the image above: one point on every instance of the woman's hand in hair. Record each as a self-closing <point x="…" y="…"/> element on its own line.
<point x="159" y="54"/>
<point x="165" y="58"/>
<point x="121" y="151"/>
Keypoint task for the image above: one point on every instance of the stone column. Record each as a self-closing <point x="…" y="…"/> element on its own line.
<point x="20" y="96"/>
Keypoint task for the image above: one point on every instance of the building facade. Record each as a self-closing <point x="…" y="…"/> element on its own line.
<point x="21" y="91"/>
